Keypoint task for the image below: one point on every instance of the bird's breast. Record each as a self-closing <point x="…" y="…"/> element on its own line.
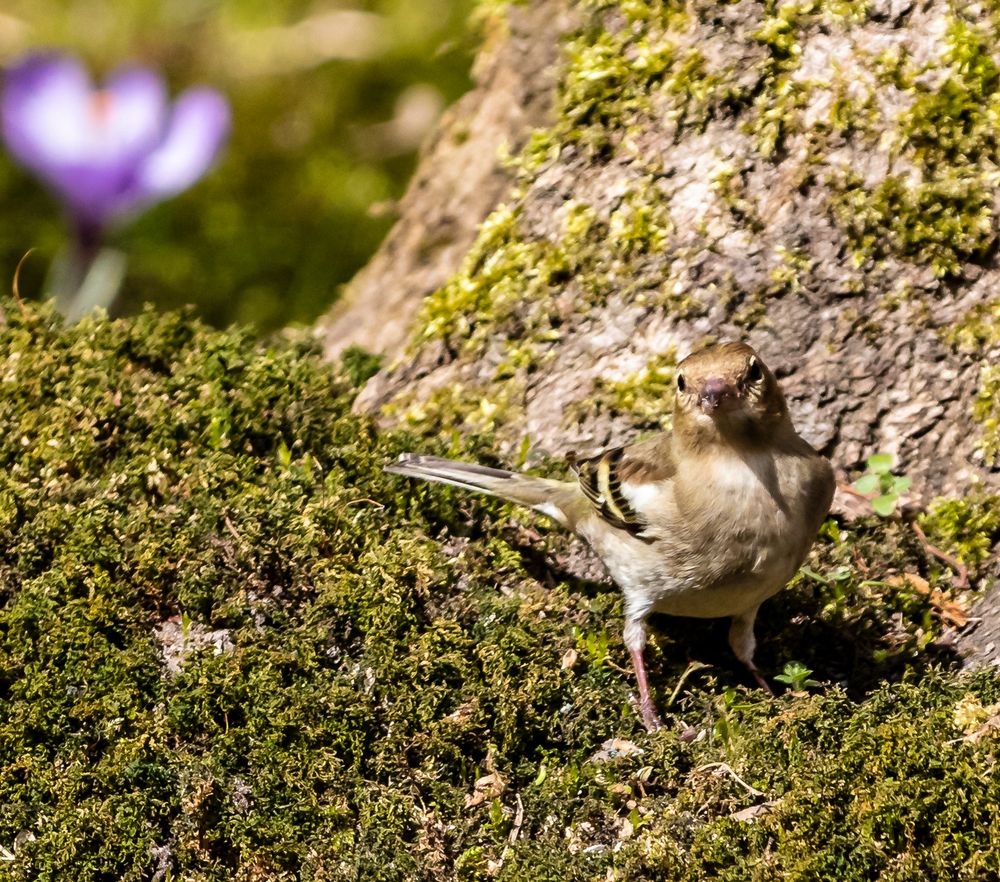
<point x="722" y="538"/>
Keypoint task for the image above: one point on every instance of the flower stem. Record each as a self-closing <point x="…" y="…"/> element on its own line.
<point x="87" y="275"/>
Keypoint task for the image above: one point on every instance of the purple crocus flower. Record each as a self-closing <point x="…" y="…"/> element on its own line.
<point x="109" y="152"/>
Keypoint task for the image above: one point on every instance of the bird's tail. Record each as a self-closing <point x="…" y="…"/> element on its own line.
<point x="541" y="494"/>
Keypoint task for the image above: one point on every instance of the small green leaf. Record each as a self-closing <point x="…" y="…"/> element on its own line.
<point x="831" y="530"/>
<point x="885" y="504"/>
<point x="796" y="675"/>
<point x="867" y="484"/>
<point x="637" y="820"/>
<point x="497" y="817"/>
<point x="284" y="455"/>
<point x="812" y="574"/>
<point x="901" y="484"/>
<point x="543" y="773"/>
<point x="880" y="463"/>
<point x="525" y="449"/>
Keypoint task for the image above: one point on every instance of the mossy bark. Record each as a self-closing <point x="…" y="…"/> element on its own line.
<point x="459" y="182"/>
<point x="817" y="178"/>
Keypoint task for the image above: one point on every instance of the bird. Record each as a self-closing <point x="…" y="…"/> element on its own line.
<point x="707" y="520"/>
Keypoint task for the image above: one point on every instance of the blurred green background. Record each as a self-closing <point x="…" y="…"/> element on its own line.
<point x="330" y="102"/>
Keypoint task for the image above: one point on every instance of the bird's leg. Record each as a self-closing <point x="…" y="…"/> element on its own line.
<point x="635" y="639"/>
<point x="743" y="643"/>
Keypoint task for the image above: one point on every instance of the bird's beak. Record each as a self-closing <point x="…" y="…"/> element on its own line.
<point x="717" y="395"/>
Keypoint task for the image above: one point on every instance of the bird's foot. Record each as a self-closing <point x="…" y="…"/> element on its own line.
<point x="647" y="709"/>
<point x="650" y="719"/>
<point x="761" y="681"/>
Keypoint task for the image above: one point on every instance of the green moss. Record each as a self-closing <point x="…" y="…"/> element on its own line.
<point x="499" y="254"/>
<point x="939" y="210"/>
<point x="609" y="77"/>
<point x="941" y="221"/>
<point x="781" y="96"/>
<point x="504" y="302"/>
<point x="853" y="579"/>
<point x="618" y="79"/>
<point x="640" y="223"/>
<point x="507" y="304"/>
<point x="987" y="410"/>
<point x="730" y="187"/>
<point x="635" y="67"/>
<point x="506" y="284"/>
<point x="465" y="407"/>
<point x="359" y="365"/>
<point x="835" y="770"/>
<point x="626" y="69"/>
<point x="155" y="468"/>
<point x="617" y="74"/>
<point x="968" y="528"/>
<point x="648" y="395"/>
<point x="389" y="645"/>
<point x="978" y="329"/>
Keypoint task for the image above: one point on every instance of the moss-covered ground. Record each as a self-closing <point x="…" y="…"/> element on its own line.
<point x="406" y="683"/>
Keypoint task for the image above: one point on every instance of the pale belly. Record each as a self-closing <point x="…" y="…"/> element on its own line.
<point x="727" y="598"/>
<point x="692" y="586"/>
<point x="743" y="552"/>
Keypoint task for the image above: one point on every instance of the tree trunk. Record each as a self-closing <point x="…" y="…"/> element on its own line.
<point x="459" y="181"/>
<point x="819" y="179"/>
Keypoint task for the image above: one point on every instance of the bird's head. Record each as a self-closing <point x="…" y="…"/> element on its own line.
<point x="726" y="393"/>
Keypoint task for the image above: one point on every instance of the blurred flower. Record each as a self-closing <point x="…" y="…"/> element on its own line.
<point x="108" y="152"/>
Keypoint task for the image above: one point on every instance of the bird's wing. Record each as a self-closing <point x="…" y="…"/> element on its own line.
<point x="609" y="479"/>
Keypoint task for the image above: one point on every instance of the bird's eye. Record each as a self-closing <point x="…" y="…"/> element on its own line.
<point x="681" y="385"/>
<point x="754" y="373"/>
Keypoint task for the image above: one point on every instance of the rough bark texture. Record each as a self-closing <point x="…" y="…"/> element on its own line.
<point x="980" y="644"/>
<point x="459" y="181"/>
<point x="818" y="179"/>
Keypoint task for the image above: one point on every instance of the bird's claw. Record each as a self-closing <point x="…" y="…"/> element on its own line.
<point x="650" y="719"/>
<point x="762" y="682"/>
